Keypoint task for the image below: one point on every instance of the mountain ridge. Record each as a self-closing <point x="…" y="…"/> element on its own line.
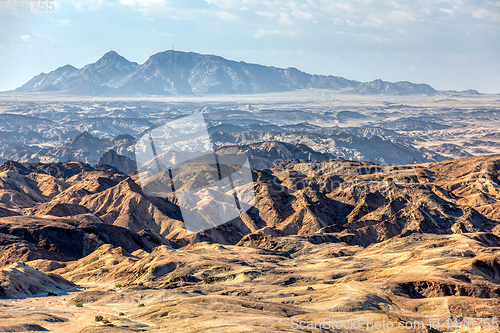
<point x="358" y="202"/>
<point x="189" y="73"/>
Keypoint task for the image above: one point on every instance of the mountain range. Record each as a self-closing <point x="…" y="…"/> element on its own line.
<point x="355" y="202"/>
<point x="328" y="238"/>
<point x="188" y="73"/>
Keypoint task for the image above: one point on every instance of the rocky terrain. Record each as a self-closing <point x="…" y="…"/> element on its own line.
<point x="359" y="201"/>
<point x="329" y="238"/>
<point x="389" y="130"/>
<point x="358" y="213"/>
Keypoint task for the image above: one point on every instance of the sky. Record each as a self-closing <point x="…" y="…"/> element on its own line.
<point x="449" y="44"/>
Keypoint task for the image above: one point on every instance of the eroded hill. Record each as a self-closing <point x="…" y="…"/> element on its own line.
<point x="332" y="239"/>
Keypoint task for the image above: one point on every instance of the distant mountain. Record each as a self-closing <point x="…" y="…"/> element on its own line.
<point x="318" y="145"/>
<point x="87" y="148"/>
<point x="264" y="155"/>
<point x="86" y="140"/>
<point x="398" y="88"/>
<point x="188" y="73"/>
<point x="52" y="81"/>
<point x="89" y="80"/>
<point x="84" y="147"/>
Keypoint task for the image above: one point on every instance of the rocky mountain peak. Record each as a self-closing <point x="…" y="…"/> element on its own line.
<point x="185" y="73"/>
<point x="114" y="60"/>
<point x="111" y="56"/>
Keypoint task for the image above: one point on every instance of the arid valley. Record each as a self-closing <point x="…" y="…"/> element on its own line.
<point x="366" y="209"/>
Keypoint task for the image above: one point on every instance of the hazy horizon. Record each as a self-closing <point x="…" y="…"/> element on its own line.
<point x="448" y="44"/>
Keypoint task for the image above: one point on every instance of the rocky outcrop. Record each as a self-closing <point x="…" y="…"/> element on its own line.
<point x="264" y="155"/>
<point x="19" y="280"/>
<point x="120" y="162"/>
<point x="62" y="239"/>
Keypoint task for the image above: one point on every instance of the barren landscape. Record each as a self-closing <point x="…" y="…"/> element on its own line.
<point x="359" y="214"/>
<point x="384" y="129"/>
<point x="218" y="166"/>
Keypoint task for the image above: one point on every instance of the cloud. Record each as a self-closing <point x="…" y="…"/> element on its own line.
<point x="227" y="4"/>
<point x="358" y="13"/>
<point x="88" y="4"/>
<point x="144" y="3"/>
<point x="149" y="7"/>
<point x="485" y="14"/>
<point x="25" y="38"/>
<point x="64" y="22"/>
<point x="302" y="15"/>
<point x="175" y="9"/>
<point x="226" y="16"/>
<point x="263" y="33"/>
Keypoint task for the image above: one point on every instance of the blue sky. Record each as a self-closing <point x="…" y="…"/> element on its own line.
<point x="450" y="44"/>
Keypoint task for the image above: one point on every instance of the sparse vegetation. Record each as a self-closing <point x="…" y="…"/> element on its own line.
<point x="51" y="293"/>
<point x="79" y="304"/>
<point x="118" y="285"/>
<point x="99" y="318"/>
<point x="121" y="314"/>
<point x="141" y="305"/>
